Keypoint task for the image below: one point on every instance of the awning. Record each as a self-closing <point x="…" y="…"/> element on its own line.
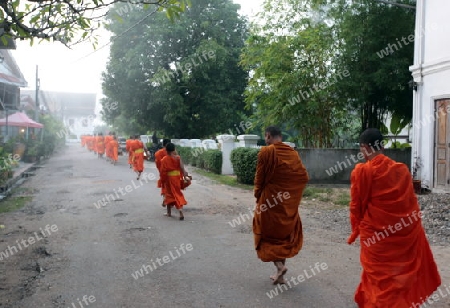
<point x="20" y="119"/>
<point x="11" y="80"/>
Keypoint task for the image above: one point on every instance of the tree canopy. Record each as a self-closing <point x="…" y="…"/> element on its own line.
<point x="319" y="66"/>
<point x="181" y="78"/>
<point x="66" y="21"/>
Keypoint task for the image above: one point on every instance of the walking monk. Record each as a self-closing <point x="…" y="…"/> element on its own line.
<point x="159" y="155"/>
<point x="114" y="145"/>
<point x="137" y="146"/>
<point x="398" y="269"/>
<point x="130" y="152"/>
<point x="172" y="172"/>
<point x="279" y="182"/>
<point x="108" y="139"/>
<point x="100" y="145"/>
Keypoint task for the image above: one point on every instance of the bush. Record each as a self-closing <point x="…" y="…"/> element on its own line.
<point x="185" y="154"/>
<point x="244" y="164"/>
<point x="199" y="160"/>
<point x="213" y="160"/>
<point x="210" y="160"/>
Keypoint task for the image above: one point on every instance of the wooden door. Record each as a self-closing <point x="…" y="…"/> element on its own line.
<point x="442" y="145"/>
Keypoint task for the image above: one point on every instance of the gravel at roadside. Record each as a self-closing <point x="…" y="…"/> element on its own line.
<point x="436" y="218"/>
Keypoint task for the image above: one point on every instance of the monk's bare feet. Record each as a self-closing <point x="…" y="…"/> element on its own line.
<point x="280" y="280"/>
<point x="281" y="271"/>
<point x="181" y="215"/>
<point x="169" y="211"/>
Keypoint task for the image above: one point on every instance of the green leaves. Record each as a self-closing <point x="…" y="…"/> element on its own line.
<point x="48" y="19"/>
<point x="288" y="68"/>
<point x="244" y="161"/>
<point x="181" y="78"/>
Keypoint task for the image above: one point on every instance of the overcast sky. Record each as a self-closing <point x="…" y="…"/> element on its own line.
<point x="79" y="69"/>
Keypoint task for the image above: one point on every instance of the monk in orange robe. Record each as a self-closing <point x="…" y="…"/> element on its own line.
<point x="398" y="268"/>
<point x="108" y="139"/>
<point x="114" y="150"/>
<point x="90" y="143"/>
<point x="83" y="141"/>
<point x="130" y="152"/>
<point x="100" y="145"/>
<point x="159" y="155"/>
<point x="172" y="172"/>
<point x="94" y="142"/>
<point x="138" y="157"/>
<point x="279" y="183"/>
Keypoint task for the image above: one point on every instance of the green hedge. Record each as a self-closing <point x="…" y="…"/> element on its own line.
<point x="213" y="160"/>
<point x="244" y="164"/>
<point x="210" y="160"/>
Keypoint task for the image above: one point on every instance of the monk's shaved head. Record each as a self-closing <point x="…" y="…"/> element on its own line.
<point x="170" y="147"/>
<point x="272" y="135"/>
<point x="165" y="142"/>
<point x="273" y="131"/>
<point x="371" y="137"/>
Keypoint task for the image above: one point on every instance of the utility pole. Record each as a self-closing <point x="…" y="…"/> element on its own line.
<point x="36" y="110"/>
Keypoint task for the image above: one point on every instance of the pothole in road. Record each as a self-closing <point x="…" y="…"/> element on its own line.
<point x="246" y="229"/>
<point x="135" y="229"/>
<point x="120" y="214"/>
<point x="105" y="181"/>
<point x="41" y="250"/>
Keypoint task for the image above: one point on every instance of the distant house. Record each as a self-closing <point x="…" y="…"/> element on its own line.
<point x="11" y="80"/>
<point x="76" y="110"/>
<point x="431" y="104"/>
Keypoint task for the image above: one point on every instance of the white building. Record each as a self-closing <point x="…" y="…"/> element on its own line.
<point x="431" y="105"/>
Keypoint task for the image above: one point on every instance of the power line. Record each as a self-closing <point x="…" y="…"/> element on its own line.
<point x="116" y="37"/>
<point x="407" y="6"/>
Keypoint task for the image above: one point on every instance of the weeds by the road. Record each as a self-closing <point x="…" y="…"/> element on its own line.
<point x="335" y="196"/>
<point x="224" y="179"/>
<point x="19" y="197"/>
<point x="14" y="203"/>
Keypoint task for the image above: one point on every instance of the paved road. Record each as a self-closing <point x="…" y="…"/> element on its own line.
<point x="200" y="262"/>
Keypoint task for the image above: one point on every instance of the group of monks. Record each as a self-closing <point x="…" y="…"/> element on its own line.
<point x="102" y="145"/>
<point x="398" y="268"/>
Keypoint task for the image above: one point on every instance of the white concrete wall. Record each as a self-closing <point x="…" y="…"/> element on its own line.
<point x="437" y="27"/>
<point x="431" y="70"/>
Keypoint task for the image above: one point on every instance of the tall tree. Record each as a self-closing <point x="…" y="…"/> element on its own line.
<point x="317" y="65"/>
<point x="182" y="78"/>
<point x="293" y="78"/>
<point x="376" y="46"/>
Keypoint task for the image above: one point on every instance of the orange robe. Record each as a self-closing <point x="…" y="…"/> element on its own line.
<point x="100" y="145"/>
<point x="171" y="175"/>
<point x="130" y="153"/>
<point x="94" y="142"/>
<point x="398" y="266"/>
<point x="279" y="182"/>
<point x="138" y="155"/>
<point x="108" y="139"/>
<point x="83" y="141"/>
<point x="90" y="142"/>
<point x="159" y="155"/>
<point x="114" y="145"/>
